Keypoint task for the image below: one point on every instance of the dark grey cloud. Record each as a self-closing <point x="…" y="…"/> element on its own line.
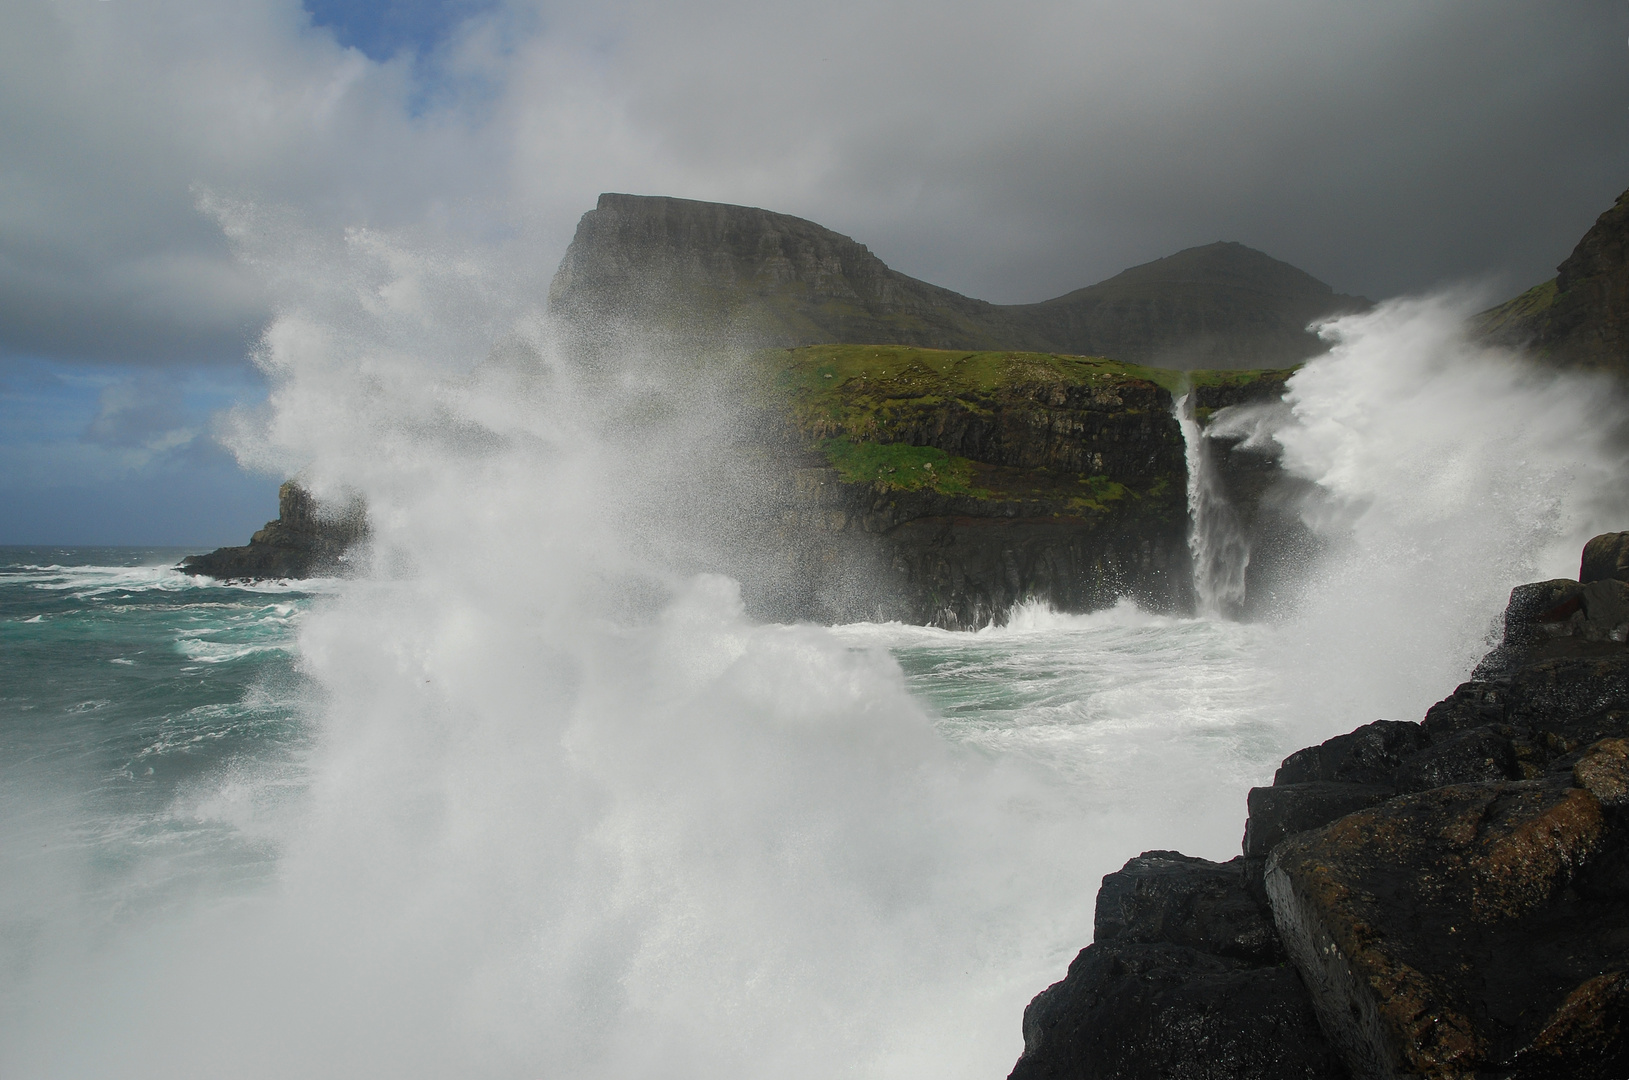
<point x="1019" y="152"/>
<point x="1010" y="152"/>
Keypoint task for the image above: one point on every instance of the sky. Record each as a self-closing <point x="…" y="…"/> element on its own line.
<point x="1012" y="152"/>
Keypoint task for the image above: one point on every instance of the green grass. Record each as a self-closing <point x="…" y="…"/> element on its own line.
<point x="1240" y="377"/>
<point x="901" y="466"/>
<point x="826" y="375"/>
<point x="820" y="370"/>
<point x="1522" y="313"/>
<point x="848" y="400"/>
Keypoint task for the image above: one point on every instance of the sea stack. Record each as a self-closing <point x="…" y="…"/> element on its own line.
<point x="304" y="541"/>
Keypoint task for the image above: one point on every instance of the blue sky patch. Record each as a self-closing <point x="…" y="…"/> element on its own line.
<point x="380" y="29"/>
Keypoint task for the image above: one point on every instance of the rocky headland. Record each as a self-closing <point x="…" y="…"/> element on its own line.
<point x="939" y="458"/>
<point x="946" y="458"/>
<point x="1579" y="318"/>
<point x="1444" y="898"/>
<point x="944" y="486"/>
<point x="305" y="540"/>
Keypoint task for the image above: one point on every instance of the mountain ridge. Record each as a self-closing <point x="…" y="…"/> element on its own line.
<point x="1580" y="317"/>
<point x="712" y="273"/>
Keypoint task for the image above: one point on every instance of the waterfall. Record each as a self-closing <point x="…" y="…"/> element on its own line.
<point x="1216" y="538"/>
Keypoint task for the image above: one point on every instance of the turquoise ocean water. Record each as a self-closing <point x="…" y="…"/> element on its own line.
<point x="205" y="827"/>
<point x="138" y="705"/>
<point x="124" y="685"/>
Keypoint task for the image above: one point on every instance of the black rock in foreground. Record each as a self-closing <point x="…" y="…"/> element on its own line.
<point x="1186" y="978"/>
<point x="1452" y="896"/>
<point x="302" y="542"/>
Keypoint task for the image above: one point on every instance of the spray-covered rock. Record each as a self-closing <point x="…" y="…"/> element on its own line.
<point x="305" y="540"/>
<point x="1453" y="894"/>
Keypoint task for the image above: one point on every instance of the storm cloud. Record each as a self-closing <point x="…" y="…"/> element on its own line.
<point x="1009" y="153"/>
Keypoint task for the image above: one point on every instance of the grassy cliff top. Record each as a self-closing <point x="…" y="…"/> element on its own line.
<point x="869" y="410"/>
<point x="827" y="374"/>
<point x="1519" y="318"/>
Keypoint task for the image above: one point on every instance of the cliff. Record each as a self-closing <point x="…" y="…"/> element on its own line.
<point x="1581" y="317"/>
<point x="939" y="458"/>
<point x="939" y="486"/>
<point x="304" y="541"/>
<point x="1446" y="898"/>
<point x="1261" y="503"/>
<point x="709" y="274"/>
<point x="945" y="457"/>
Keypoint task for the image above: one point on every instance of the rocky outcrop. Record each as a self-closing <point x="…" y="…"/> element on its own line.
<point x="1453" y="894"/>
<point x="945" y="487"/>
<point x="1186" y="978"/>
<point x="304" y="541"/>
<point x="1581" y="318"/>
<point x="697" y="274"/>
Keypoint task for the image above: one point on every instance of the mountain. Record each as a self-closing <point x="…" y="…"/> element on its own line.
<point x="709" y="273"/>
<point x="1223" y="305"/>
<point x="1580" y="318"/>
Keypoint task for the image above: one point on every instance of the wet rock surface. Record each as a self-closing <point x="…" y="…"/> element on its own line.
<point x="1186" y="979"/>
<point x="1453" y="894"/>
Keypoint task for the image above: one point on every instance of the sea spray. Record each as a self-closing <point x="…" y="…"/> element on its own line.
<point x="563" y="810"/>
<point x="1442" y="473"/>
<point x="567" y="811"/>
<point x="1217" y="541"/>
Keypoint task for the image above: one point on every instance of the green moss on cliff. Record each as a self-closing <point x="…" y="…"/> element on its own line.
<point x="895" y="417"/>
<point x="832" y="379"/>
<point x="901" y="466"/>
<point x="1519" y="318"/>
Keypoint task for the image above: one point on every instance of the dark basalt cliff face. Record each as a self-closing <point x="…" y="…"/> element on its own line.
<point x="1581" y="317"/>
<point x="710" y="273"/>
<point x="303" y="542"/>
<point x="1448" y="898"/>
<point x="944" y="487"/>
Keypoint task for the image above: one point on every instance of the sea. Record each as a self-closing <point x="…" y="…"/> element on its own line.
<point x="531" y="795"/>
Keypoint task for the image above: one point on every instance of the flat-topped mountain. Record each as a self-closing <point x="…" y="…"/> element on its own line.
<point x="711" y="272"/>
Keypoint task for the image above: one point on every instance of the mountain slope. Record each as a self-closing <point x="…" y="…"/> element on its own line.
<point x="1223" y="305"/>
<point x="1581" y="317"/>
<point x="710" y="272"/>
